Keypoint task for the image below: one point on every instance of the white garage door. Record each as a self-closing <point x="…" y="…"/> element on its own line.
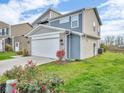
<point x="1" y="47"/>
<point x="45" y="47"/>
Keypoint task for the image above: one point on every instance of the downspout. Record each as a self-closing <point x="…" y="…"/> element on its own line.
<point x="69" y="46"/>
<point x="68" y="34"/>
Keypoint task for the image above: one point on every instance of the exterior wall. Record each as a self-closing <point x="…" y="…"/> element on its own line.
<point x="20" y="29"/>
<point x="24" y="43"/>
<point x="3" y="37"/>
<point x="89" y="18"/>
<point x="46" y="16"/>
<point x="53" y="14"/>
<point x="88" y="49"/>
<point x="3" y="45"/>
<point x="18" y="32"/>
<point x="56" y="23"/>
<point x="73" y="46"/>
<point x="4" y="25"/>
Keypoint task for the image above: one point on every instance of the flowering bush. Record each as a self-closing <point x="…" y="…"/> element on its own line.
<point x="31" y="80"/>
<point x="60" y="54"/>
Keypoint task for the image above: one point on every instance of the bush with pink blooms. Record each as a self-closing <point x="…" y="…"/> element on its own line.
<point x="31" y="80"/>
<point x="60" y="54"/>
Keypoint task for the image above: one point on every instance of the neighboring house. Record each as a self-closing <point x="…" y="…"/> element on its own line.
<point x="19" y="41"/>
<point x="77" y="33"/>
<point x="5" y="34"/>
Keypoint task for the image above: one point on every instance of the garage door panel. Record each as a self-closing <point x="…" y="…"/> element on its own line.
<point x="45" y="47"/>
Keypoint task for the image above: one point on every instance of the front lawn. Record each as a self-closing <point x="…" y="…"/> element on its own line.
<point x="6" y="55"/>
<point x="101" y="74"/>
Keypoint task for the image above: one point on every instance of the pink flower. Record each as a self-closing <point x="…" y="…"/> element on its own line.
<point x="13" y="85"/>
<point x="14" y="90"/>
<point x="30" y="62"/>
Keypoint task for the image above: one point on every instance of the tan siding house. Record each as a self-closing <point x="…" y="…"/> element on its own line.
<point x="19" y="41"/>
<point x="4" y="35"/>
<point x="91" y="29"/>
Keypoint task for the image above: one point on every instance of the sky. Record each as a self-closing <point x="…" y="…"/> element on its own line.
<point x="111" y="11"/>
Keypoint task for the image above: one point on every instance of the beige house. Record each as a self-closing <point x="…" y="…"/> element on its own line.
<point x="4" y="35"/>
<point x="19" y="41"/>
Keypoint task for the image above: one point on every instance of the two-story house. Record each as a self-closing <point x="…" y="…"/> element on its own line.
<point x="77" y="33"/>
<point x="19" y="41"/>
<point x="14" y="35"/>
<point x="4" y="35"/>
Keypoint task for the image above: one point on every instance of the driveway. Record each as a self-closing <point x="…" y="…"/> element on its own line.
<point x="18" y="60"/>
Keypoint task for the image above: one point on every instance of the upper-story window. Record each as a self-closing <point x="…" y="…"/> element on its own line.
<point x="94" y="26"/>
<point x="64" y="20"/>
<point x="4" y="31"/>
<point x="74" y="21"/>
<point x="99" y="31"/>
<point x="7" y="31"/>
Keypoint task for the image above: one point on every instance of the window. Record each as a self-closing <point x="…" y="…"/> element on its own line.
<point x="64" y="20"/>
<point x="3" y="31"/>
<point x="94" y="26"/>
<point x="99" y="31"/>
<point x="7" y="31"/>
<point x="74" y="21"/>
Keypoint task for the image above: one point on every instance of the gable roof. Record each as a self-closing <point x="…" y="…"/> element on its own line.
<point x="3" y="24"/>
<point x="48" y="10"/>
<point x="41" y="29"/>
<point x="80" y="10"/>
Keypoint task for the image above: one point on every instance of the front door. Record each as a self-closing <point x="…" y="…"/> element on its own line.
<point x="17" y="45"/>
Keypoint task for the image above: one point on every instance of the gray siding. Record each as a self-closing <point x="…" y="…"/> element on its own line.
<point x="68" y="24"/>
<point x="74" y="42"/>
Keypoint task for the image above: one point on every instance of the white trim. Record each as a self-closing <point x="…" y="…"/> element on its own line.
<point x="60" y="30"/>
<point x="46" y="34"/>
<point x="46" y="37"/>
<point x="55" y="19"/>
<point x="46" y="27"/>
<point x="81" y="47"/>
<point x="65" y="47"/>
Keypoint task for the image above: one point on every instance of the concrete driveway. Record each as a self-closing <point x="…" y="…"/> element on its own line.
<point x="18" y="60"/>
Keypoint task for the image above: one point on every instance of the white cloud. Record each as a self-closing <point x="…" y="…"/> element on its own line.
<point x="12" y="11"/>
<point x="112" y="15"/>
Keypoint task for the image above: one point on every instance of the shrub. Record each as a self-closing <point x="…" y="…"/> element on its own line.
<point x="50" y="85"/>
<point x="8" y="48"/>
<point x="19" y="53"/>
<point x="104" y="47"/>
<point x="60" y="54"/>
<point x="25" y="52"/>
<point x="31" y="80"/>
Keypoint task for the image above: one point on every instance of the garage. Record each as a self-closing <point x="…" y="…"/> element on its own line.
<point x="45" y="46"/>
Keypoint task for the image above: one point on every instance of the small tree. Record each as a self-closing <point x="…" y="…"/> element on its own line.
<point x="60" y="54"/>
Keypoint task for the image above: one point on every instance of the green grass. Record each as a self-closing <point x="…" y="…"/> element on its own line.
<point x="101" y="74"/>
<point x="6" y="55"/>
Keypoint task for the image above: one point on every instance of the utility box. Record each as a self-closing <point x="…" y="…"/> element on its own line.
<point x="100" y="51"/>
<point x="9" y="87"/>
